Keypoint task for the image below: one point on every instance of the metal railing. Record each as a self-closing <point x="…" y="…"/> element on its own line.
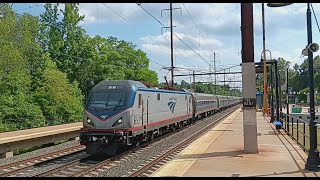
<point x="298" y="130"/>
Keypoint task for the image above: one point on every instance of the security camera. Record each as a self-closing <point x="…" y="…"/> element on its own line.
<point x="313" y="47"/>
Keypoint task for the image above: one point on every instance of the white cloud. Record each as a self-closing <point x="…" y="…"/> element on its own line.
<point x="109" y="12"/>
<point x="219" y="24"/>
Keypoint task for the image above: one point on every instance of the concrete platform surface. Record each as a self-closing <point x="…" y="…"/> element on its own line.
<point x="219" y="153"/>
<point x="20" y="135"/>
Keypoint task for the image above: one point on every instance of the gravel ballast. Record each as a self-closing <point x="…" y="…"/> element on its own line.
<point x="39" y="152"/>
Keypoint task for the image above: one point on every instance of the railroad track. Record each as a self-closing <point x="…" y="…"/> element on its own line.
<point x="23" y="165"/>
<point x="91" y="166"/>
<point x="153" y="164"/>
<point x="88" y="166"/>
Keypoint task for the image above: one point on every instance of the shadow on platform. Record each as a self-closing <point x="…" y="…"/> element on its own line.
<point x="213" y="154"/>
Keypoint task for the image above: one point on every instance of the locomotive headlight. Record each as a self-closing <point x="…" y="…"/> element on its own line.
<point x="90" y="122"/>
<point x="117" y="122"/>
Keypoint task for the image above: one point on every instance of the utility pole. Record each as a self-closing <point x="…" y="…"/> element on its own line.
<point x="224" y="81"/>
<point x="215" y="76"/>
<point x="210" y="66"/>
<point x="194" y="83"/>
<point x="171" y="32"/>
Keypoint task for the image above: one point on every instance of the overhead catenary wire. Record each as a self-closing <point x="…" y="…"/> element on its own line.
<point x="315" y="16"/>
<point x="196" y="26"/>
<point x="122" y="17"/>
<point x="111" y="47"/>
<point x="158" y="22"/>
<point x="173" y="33"/>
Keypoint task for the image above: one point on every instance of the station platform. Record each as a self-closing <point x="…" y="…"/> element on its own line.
<point x="14" y="140"/>
<point x="219" y="153"/>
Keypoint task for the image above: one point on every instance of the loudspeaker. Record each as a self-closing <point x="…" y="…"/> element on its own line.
<point x="313" y="47"/>
<point x="305" y="52"/>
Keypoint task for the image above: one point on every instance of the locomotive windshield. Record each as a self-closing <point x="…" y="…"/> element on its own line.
<point x="107" y="101"/>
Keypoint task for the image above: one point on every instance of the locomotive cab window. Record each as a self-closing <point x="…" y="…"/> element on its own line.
<point x="185" y="97"/>
<point x="140" y="100"/>
<point x="158" y="96"/>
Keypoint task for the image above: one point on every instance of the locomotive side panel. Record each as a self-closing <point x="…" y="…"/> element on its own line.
<point x="160" y="108"/>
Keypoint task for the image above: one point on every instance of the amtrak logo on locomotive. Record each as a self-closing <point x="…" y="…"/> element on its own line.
<point x="172" y="104"/>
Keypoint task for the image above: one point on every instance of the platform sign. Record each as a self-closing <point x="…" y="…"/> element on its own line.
<point x="249" y="102"/>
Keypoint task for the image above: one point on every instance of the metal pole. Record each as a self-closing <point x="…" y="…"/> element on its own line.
<point x="248" y="80"/>
<point x="313" y="155"/>
<point x="280" y="94"/>
<point x="272" y="94"/>
<point x="287" y="91"/>
<point x="194" y="83"/>
<point x="171" y="29"/>
<point x="224" y="81"/>
<point x="265" y="87"/>
<point x="210" y="66"/>
<point x="277" y="90"/>
<point x="215" y="76"/>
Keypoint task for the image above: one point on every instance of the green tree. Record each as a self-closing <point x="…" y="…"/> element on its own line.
<point x="64" y="39"/>
<point x="16" y="102"/>
<point x="15" y="99"/>
<point x="51" y="35"/>
<point x="59" y="100"/>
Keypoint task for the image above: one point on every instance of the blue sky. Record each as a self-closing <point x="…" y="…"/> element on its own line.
<point x="219" y="25"/>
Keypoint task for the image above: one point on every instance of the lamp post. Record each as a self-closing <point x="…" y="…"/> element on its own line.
<point x="272" y="94"/>
<point x="265" y="84"/>
<point x="287" y="91"/>
<point x="313" y="154"/>
<point x="277" y="89"/>
<point x="313" y="157"/>
<point x="265" y="73"/>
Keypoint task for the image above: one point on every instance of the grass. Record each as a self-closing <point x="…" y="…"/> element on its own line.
<point x="299" y="135"/>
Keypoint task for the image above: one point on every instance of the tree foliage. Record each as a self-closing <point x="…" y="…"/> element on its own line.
<point x="47" y="61"/>
<point x="298" y="79"/>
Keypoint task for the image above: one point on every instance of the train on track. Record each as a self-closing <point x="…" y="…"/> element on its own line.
<point x="119" y="114"/>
